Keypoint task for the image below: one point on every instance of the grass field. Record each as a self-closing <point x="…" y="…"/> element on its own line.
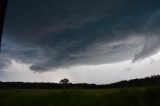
<point x="99" y="97"/>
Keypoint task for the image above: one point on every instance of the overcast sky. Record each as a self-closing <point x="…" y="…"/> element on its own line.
<point x="93" y="41"/>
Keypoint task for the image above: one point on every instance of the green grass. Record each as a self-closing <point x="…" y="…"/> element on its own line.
<point x="99" y="97"/>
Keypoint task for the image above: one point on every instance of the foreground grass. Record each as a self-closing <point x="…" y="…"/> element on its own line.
<point x="103" y="97"/>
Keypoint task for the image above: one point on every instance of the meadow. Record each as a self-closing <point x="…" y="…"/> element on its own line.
<point x="136" y="96"/>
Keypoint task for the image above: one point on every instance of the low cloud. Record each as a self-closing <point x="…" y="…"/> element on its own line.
<point x="53" y="34"/>
<point x="151" y="46"/>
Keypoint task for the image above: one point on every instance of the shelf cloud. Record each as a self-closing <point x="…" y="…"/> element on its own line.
<point x="54" y="34"/>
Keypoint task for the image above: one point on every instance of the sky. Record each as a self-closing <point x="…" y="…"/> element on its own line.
<point x="86" y="41"/>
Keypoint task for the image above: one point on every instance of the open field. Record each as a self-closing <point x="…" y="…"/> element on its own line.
<point x="77" y="97"/>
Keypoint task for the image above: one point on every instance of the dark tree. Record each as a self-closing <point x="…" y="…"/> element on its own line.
<point x="64" y="81"/>
<point x="153" y="81"/>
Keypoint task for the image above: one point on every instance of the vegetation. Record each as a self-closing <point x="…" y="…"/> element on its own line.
<point x="102" y="97"/>
<point x="137" y="92"/>
<point x="64" y="84"/>
<point x="64" y="81"/>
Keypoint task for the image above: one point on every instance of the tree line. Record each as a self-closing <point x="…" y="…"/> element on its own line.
<point x="65" y="84"/>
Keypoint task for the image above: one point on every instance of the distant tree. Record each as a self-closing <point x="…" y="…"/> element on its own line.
<point x="64" y="81"/>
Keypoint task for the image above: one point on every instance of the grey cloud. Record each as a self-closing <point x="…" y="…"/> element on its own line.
<point x="4" y="61"/>
<point x="151" y="46"/>
<point x="55" y="34"/>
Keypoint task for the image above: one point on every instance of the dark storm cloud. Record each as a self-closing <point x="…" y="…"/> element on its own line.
<point x="60" y="33"/>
